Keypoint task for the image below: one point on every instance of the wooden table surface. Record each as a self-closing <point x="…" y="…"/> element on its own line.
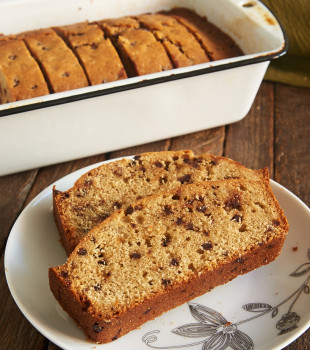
<point x="275" y="133"/>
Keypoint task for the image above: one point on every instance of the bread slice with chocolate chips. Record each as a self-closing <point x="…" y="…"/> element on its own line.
<point x="165" y="250"/>
<point x="96" y="53"/>
<point x="109" y="187"/>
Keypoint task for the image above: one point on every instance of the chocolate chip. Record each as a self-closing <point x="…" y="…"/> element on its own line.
<point x="201" y="209"/>
<point x="165" y="282"/>
<point x="240" y="261"/>
<point x="233" y="202"/>
<point x="102" y="262"/>
<point x="180" y="221"/>
<point x="135" y="255"/>
<point x="117" y="335"/>
<point x="158" y="164"/>
<point x="207" y="246"/>
<point x="97" y="328"/>
<point x="174" y="262"/>
<point x="236" y="218"/>
<point x="137" y="157"/>
<point x="97" y="287"/>
<point x="129" y="210"/>
<point x="166" y="241"/>
<point x="82" y="251"/>
<point x="275" y="222"/>
<point x="64" y="274"/>
<point x="176" y="197"/>
<point x="16" y="82"/>
<point x="185" y="178"/>
<point x="190" y="226"/>
<point x="88" y="183"/>
<point x="117" y="205"/>
<point x="167" y="210"/>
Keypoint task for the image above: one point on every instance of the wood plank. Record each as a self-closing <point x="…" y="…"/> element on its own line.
<point x="48" y="175"/>
<point x="157" y="146"/>
<point x="206" y="141"/>
<point x="14" y="190"/>
<point x="250" y="141"/>
<point x="292" y="143"/>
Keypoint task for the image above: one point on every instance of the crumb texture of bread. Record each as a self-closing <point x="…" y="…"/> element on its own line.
<point x="164" y="250"/>
<point x="15" y="85"/>
<point x="112" y="186"/>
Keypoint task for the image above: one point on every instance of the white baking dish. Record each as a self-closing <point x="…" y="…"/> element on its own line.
<point x="78" y="123"/>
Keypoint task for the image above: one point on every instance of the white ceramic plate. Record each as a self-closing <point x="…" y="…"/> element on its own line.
<point x="264" y="309"/>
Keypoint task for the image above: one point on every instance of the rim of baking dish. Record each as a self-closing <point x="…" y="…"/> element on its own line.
<point x="145" y="80"/>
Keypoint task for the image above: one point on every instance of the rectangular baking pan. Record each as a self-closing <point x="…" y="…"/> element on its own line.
<point x="96" y="119"/>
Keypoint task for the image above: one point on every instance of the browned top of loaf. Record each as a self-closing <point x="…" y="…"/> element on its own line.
<point x="168" y="239"/>
<point x="96" y="53"/>
<point x="15" y="60"/>
<point x="115" y="185"/>
<point x="116" y="26"/>
<point x="215" y="42"/>
<point x="182" y="47"/>
<point x="59" y="64"/>
<point x="141" y="53"/>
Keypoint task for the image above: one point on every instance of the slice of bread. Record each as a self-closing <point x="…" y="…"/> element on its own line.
<point x="182" y="47"/>
<point x="15" y="85"/>
<point x="96" y="53"/>
<point x="115" y="185"/>
<point x="165" y="250"/>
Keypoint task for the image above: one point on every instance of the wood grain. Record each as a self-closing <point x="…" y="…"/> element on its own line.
<point x="251" y="141"/>
<point x="292" y="143"/>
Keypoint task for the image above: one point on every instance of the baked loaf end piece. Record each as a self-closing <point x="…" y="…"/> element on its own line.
<point x="165" y="250"/>
<point x="15" y="85"/>
<point x="215" y="42"/>
<point x="182" y="47"/>
<point x="59" y="64"/>
<point x="115" y="185"/>
<point x="96" y="53"/>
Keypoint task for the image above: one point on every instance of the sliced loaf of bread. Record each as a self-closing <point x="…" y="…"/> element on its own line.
<point x="165" y="250"/>
<point x="115" y="185"/>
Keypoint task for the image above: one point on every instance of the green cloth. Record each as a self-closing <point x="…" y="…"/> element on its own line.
<point x="294" y="67"/>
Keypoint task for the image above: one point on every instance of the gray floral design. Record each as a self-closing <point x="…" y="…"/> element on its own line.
<point x="220" y="334"/>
